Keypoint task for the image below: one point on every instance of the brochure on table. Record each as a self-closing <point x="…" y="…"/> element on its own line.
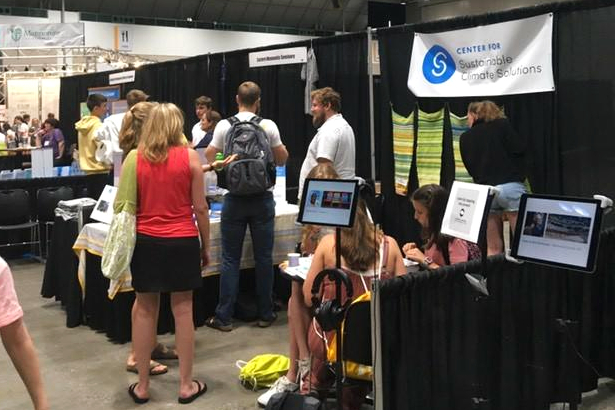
<point x="464" y="210"/>
<point x="103" y="211"/>
<point x="301" y="270"/>
<point x="42" y="162"/>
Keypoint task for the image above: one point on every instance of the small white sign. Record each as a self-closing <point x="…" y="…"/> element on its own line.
<point x="103" y="210"/>
<point x="295" y="55"/>
<point x="117" y="167"/>
<point x="465" y="210"/>
<point x="123" y="38"/>
<point x="121" y="78"/>
<point x="42" y="162"/>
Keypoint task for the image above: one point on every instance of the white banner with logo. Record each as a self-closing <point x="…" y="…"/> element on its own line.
<point x="22" y="97"/>
<point x="295" y="55"/>
<point x="514" y="57"/>
<point x="42" y="35"/>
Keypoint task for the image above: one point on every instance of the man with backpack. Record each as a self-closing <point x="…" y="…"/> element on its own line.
<point x="249" y="180"/>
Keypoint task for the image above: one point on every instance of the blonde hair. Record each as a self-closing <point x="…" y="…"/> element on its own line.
<point x="132" y="125"/>
<point x="360" y="244"/>
<point x="162" y="130"/>
<point x="324" y="170"/>
<point x="486" y="110"/>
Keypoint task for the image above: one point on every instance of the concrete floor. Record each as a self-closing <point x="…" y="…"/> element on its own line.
<point x="83" y="370"/>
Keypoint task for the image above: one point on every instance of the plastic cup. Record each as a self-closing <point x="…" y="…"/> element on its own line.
<point x="293" y="259"/>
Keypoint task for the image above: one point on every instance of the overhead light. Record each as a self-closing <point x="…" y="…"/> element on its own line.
<point x="44" y="69"/>
<point x="189" y="19"/>
<point x="27" y="68"/>
<point x="64" y="68"/>
<point x="6" y="69"/>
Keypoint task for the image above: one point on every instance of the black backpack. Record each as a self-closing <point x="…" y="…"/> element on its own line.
<point x="293" y="401"/>
<point x="253" y="172"/>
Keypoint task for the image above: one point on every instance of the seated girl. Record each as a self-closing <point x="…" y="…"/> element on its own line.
<point x="429" y="202"/>
<point x="360" y="260"/>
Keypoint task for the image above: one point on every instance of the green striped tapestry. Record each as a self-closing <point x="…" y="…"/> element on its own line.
<point x="429" y="147"/>
<point x="459" y="125"/>
<point x="403" y="147"/>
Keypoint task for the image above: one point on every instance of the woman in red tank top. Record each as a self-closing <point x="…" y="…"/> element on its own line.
<point x="168" y="255"/>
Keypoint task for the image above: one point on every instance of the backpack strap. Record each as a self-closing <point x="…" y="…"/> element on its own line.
<point x="232" y="120"/>
<point x="256" y="120"/>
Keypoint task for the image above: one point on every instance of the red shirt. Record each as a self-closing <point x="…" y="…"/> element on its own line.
<point x="164" y="196"/>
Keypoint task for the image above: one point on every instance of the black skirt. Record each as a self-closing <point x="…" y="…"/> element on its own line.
<point x="166" y="264"/>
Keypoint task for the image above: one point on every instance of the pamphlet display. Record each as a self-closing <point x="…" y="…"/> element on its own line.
<point x="331" y="202"/>
<point x="42" y="163"/>
<point x="464" y="210"/>
<point x="103" y="210"/>
<point x="558" y="231"/>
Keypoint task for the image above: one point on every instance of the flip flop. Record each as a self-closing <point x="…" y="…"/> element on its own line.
<point x="137" y="399"/>
<point x="152" y="368"/>
<point x="162" y="352"/>
<point x="200" y="391"/>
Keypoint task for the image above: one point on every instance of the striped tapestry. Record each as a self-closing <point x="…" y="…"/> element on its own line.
<point x="403" y="147"/>
<point x="459" y="125"/>
<point x="429" y="147"/>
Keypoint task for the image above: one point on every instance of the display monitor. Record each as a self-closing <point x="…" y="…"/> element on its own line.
<point x="558" y="231"/>
<point x="331" y="202"/>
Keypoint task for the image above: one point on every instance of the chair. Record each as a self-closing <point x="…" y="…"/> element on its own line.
<point x="357" y="344"/>
<point x="46" y="202"/>
<point x="15" y="216"/>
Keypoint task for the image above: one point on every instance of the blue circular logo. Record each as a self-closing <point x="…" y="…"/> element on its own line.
<point x="438" y="65"/>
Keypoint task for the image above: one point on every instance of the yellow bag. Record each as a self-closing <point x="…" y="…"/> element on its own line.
<point x="262" y="370"/>
<point x="351" y="369"/>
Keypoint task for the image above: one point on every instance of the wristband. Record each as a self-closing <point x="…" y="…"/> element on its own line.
<point x="426" y="262"/>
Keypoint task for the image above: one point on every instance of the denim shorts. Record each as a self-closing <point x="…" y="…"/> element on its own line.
<point x="508" y="197"/>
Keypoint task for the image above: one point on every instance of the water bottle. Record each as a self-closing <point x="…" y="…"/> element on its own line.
<point x="219" y="157"/>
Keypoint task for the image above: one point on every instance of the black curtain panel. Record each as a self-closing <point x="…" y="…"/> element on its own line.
<point x="450" y="347"/>
<point x="342" y="64"/>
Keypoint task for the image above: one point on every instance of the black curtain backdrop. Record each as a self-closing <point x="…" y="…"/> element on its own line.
<point x="341" y="65"/>
<point x="447" y="348"/>
<point x="570" y="150"/>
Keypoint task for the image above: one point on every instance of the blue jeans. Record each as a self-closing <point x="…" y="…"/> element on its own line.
<point x="257" y="212"/>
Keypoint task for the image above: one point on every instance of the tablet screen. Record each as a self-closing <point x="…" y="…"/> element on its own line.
<point x="559" y="231"/>
<point x="331" y="202"/>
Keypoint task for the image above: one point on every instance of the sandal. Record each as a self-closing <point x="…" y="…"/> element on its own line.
<point x="214" y="323"/>
<point x="201" y="389"/>
<point x="135" y="398"/>
<point x="155" y="368"/>
<point x="162" y="352"/>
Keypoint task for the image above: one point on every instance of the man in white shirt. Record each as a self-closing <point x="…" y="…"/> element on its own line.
<point x="334" y="142"/>
<point x="107" y="136"/>
<point x="238" y="212"/>
<point x="201" y="106"/>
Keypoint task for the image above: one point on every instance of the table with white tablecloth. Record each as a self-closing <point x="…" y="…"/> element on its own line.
<point x="286" y="235"/>
<point x="105" y="306"/>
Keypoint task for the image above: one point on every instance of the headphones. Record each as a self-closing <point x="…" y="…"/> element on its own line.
<point x="330" y="313"/>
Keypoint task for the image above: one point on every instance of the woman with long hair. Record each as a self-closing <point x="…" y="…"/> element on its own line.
<point x="494" y="154"/>
<point x="429" y="203"/>
<point x="365" y="252"/>
<point x="168" y="256"/>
